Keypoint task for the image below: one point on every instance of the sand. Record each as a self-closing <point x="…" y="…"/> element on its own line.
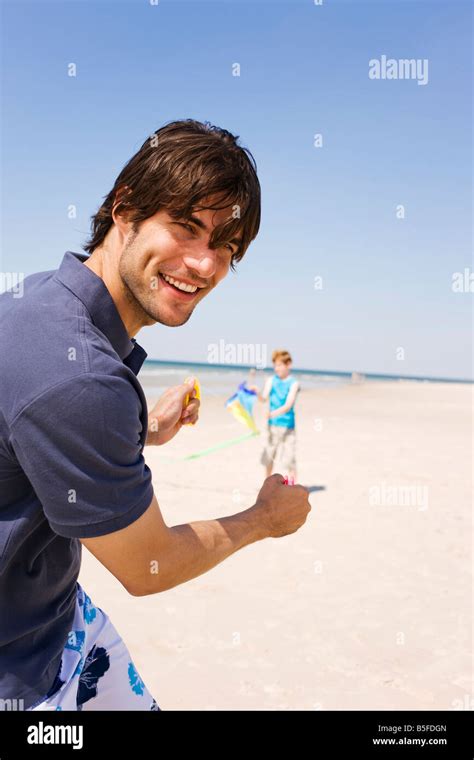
<point x="368" y="606"/>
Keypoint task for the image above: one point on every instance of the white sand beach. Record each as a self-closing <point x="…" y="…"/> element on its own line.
<point x="368" y="606"/>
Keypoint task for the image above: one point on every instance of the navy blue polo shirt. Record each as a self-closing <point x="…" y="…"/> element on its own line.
<point x="73" y="423"/>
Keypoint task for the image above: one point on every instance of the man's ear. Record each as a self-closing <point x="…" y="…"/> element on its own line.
<point x="120" y="198"/>
<point x="119" y="209"/>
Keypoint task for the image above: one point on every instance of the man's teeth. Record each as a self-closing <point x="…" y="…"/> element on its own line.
<point x="180" y="285"/>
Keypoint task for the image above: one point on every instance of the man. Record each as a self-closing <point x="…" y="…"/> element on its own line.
<point x="73" y="420"/>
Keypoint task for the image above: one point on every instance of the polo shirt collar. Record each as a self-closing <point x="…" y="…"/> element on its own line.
<point x="92" y="291"/>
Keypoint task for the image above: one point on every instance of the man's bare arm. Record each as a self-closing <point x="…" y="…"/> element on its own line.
<point x="148" y="556"/>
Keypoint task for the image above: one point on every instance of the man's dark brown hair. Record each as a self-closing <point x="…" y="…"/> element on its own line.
<point x="175" y="169"/>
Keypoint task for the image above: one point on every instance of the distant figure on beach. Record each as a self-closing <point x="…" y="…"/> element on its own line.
<point x="280" y="391"/>
<point x="357" y="378"/>
<point x="74" y="421"/>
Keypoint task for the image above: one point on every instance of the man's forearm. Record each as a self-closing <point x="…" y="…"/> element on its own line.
<point x="194" y="548"/>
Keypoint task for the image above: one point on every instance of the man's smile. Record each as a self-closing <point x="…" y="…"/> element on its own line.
<point x="182" y="289"/>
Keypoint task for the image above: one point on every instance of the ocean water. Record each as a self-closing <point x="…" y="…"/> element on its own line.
<point x="220" y="379"/>
<point x="217" y="380"/>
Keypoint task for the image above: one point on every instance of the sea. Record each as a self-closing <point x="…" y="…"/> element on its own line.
<point x="220" y="379"/>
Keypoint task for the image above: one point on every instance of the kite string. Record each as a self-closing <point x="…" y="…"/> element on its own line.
<point x="211" y="449"/>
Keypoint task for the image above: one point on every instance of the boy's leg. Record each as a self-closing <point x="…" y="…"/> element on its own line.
<point x="269" y="451"/>
<point x="288" y="453"/>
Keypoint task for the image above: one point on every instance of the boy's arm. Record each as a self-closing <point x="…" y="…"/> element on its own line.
<point x="290" y="402"/>
<point x="266" y="390"/>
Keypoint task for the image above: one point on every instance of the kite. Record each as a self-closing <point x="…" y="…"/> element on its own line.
<point x="241" y="406"/>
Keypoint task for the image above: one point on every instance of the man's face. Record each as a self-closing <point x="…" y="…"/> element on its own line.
<point x="167" y="266"/>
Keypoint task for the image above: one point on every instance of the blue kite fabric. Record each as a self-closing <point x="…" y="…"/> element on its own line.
<point x="241" y="405"/>
<point x="96" y="670"/>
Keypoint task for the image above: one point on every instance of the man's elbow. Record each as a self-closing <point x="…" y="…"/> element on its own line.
<point x="134" y="590"/>
<point x="143" y="589"/>
<point x="147" y="587"/>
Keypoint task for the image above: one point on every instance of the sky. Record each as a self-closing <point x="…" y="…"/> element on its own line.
<point x="360" y="236"/>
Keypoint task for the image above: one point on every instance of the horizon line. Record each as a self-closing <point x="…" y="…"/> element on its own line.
<point x="337" y="373"/>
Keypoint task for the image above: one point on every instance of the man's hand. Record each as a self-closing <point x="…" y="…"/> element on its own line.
<point x="169" y="415"/>
<point x="283" y="508"/>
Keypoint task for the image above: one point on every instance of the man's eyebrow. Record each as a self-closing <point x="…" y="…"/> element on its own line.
<point x="199" y="223"/>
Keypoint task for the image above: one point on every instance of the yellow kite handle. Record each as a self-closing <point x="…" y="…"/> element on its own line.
<point x="197" y="388"/>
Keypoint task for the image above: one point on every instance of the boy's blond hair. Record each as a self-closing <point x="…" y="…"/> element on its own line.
<point x="280" y="355"/>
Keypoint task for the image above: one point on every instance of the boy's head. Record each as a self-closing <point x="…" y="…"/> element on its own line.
<point x="281" y="363"/>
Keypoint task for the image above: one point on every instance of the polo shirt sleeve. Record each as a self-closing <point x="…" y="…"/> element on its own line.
<point x="79" y="445"/>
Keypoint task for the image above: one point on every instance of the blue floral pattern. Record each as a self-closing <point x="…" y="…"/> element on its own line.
<point x="97" y="663"/>
<point x="89" y="610"/>
<point x="78" y="640"/>
<point x="96" y="671"/>
<point x="135" y="681"/>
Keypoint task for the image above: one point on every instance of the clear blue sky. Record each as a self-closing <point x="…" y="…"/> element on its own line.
<point x="326" y="212"/>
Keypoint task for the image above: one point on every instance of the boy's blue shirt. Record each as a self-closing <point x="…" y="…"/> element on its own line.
<point x="278" y="396"/>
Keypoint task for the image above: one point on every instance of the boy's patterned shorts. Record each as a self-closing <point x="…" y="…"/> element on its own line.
<point x="281" y="443"/>
<point x="96" y="670"/>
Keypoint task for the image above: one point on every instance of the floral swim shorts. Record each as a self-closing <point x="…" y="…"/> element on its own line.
<point x="96" y="671"/>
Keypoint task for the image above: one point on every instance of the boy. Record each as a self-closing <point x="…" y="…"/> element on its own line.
<point x="280" y="390"/>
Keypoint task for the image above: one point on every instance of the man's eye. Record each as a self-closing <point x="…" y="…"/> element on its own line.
<point x="191" y="229"/>
<point x="230" y="248"/>
<point x="187" y="226"/>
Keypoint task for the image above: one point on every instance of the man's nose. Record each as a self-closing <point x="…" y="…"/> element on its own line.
<point x="203" y="261"/>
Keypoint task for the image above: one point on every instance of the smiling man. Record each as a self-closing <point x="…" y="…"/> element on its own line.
<point x="74" y="421"/>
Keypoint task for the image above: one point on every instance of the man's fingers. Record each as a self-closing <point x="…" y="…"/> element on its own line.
<point x="191" y="413"/>
<point x="192" y="407"/>
<point x="188" y="388"/>
<point x="190" y="420"/>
